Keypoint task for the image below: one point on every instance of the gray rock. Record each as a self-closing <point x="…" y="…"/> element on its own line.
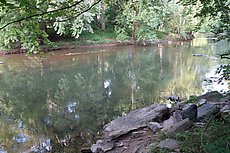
<point x="102" y="146"/>
<point x="189" y="111"/>
<point x="138" y="134"/>
<point x="181" y="104"/>
<point x="225" y="99"/>
<point x="135" y="120"/>
<point x="179" y="126"/>
<point x="172" y="98"/>
<point x="168" y="144"/>
<point x="154" y="126"/>
<point x="225" y="109"/>
<point x="206" y="111"/>
<point x="86" y="150"/>
<point x="178" y="115"/>
<point x="201" y="102"/>
<point x="168" y="124"/>
<point x="211" y="96"/>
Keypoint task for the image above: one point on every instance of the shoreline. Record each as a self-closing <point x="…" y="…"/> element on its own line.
<point x="155" y="128"/>
<point x="114" y="43"/>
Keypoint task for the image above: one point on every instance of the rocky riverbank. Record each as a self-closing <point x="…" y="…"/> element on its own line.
<point x="139" y="130"/>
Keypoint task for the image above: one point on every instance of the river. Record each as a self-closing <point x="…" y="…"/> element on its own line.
<point x="60" y="103"/>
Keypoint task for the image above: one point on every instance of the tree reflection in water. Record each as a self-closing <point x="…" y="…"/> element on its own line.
<point x="62" y="102"/>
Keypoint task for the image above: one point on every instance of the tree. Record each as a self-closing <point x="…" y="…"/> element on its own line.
<point x="27" y="28"/>
<point x="219" y="11"/>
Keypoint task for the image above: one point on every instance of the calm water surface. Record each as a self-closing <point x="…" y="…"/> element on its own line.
<point x="60" y="103"/>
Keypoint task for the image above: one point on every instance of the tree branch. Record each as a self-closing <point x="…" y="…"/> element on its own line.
<point x="41" y="14"/>
<point x="81" y="12"/>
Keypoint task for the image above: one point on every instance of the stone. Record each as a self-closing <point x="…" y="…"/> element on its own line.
<point x="102" y="146"/>
<point x="189" y="111"/>
<point x="206" y="111"/>
<point x="225" y="99"/>
<point x="138" y="134"/>
<point x="134" y="120"/>
<point x="211" y="96"/>
<point x="172" y="98"/>
<point x="225" y="109"/>
<point x="181" y="104"/>
<point x="154" y="126"/>
<point x="178" y="115"/>
<point x="86" y="150"/>
<point x="168" y="144"/>
<point x="168" y="124"/>
<point x="1" y="62"/>
<point x="177" y="127"/>
<point x="201" y="102"/>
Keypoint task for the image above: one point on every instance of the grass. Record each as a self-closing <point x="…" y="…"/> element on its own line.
<point x="213" y="138"/>
<point x="86" y="38"/>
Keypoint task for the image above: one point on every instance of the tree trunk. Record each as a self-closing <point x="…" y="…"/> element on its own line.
<point x="102" y="15"/>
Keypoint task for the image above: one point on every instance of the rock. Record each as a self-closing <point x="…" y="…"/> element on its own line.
<point x="177" y="127"/>
<point x="138" y="134"/>
<point x="102" y="146"/>
<point x="148" y="149"/>
<point x="225" y="109"/>
<point x="189" y="111"/>
<point x="206" y="111"/>
<point x="1" y="62"/>
<point x="86" y="150"/>
<point x="225" y="99"/>
<point x="211" y="96"/>
<point x="181" y="104"/>
<point x="172" y="98"/>
<point x="154" y="126"/>
<point x="168" y="144"/>
<point x="168" y="124"/>
<point x="201" y="102"/>
<point x="199" y="124"/>
<point x="135" y="120"/>
<point x="178" y="115"/>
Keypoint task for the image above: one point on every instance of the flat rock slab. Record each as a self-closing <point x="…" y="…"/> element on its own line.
<point x="134" y="120"/>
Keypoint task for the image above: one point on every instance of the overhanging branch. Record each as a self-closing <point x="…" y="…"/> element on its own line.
<point x="80" y="12"/>
<point x="41" y="14"/>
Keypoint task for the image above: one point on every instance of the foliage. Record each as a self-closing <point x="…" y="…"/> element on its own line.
<point x="217" y="10"/>
<point x="224" y="70"/>
<point x="141" y="20"/>
<point x="27" y="29"/>
<point x="192" y="99"/>
<point x="213" y="138"/>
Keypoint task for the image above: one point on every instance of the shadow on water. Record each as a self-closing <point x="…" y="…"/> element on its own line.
<point x="61" y="103"/>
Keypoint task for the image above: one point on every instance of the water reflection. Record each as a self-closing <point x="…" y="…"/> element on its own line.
<point x="61" y="102"/>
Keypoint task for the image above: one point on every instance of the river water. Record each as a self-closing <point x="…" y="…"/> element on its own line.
<point x="60" y="103"/>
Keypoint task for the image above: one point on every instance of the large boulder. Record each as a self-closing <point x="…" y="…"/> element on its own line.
<point x="176" y="127"/>
<point x="189" y="111"/>
<point x="206" y="110"/>
<point x="136" y="119"/>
